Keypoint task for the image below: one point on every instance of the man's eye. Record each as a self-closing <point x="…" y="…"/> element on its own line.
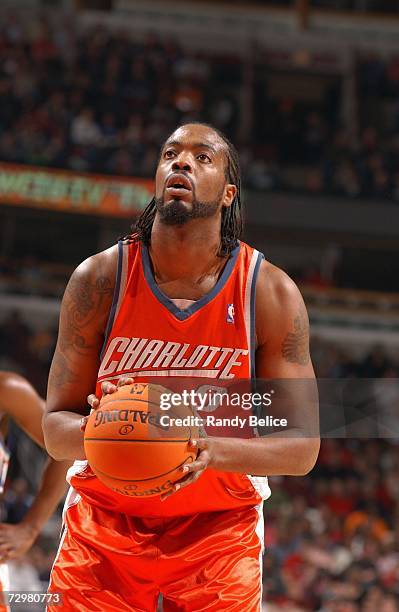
<point x="204" y="157"/>
<point x="169" y="153"/>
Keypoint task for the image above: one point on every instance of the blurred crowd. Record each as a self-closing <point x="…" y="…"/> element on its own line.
<point x="334" y="361"/>
<point x="310" y="150"/>
<point x="26" y="351"/>
<point x="32" y="275"/>
<point x="361" y="6"/>
<point x="332" y="538"/>
<point x="99" y="101"/>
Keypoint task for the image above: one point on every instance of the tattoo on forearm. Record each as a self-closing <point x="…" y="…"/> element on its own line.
<point x="295" y="347"/>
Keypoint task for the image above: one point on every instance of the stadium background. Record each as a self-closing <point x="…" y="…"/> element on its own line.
<point x="309" y="93"/>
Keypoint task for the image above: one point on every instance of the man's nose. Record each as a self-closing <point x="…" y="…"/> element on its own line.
<point x="182" y="163"/>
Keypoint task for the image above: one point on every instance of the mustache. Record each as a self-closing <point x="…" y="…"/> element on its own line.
<point x="178" y="175"/>
<point x="192" y="192"/>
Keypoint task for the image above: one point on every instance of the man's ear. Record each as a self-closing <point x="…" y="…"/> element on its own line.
<point x="230" y="192"/>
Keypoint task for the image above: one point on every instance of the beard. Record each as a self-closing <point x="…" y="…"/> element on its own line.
<point x="177" y="213"/>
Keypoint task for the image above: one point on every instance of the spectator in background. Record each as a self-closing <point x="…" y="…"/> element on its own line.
<point x="84" y="130"/>
<point x="96" y="100"/>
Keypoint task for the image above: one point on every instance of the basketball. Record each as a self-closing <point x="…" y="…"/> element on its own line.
<point x="133" y="446"/>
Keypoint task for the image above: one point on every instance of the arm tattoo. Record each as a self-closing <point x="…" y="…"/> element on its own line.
<point x="295" y="347"/>
<point x="84" y="306"/>
<point x="85" y="301"/>
<point x="60" y="373"/>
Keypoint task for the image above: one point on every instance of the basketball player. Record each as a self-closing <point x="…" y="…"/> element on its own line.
<point x="182" y="296"/>
<point x="20" y="402"/>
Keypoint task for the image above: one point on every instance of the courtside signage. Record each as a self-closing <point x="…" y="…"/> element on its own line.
<point x="72" y="192"/>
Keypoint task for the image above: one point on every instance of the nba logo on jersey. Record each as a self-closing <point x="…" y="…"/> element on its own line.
<point x="230" y="313"/>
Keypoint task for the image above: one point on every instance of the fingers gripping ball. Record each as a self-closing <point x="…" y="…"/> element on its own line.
<point x="130" y="445"/>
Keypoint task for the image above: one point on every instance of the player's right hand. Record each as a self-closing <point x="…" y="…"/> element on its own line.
<point x="106" y="388"/>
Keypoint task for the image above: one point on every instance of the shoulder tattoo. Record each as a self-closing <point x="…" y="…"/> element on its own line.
<point x="295" y="348"/>
<point x="84" y="303"/>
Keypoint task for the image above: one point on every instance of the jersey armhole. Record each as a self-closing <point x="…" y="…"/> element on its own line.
<point x="119" y="290"/>
<point x="250" y="302"/>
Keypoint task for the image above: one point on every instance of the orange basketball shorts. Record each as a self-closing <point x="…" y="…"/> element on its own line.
<point x="4" y="586"/>
<point x="116" y="562"/>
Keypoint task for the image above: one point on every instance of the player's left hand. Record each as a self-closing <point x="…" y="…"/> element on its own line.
<point x="106" y="387"/>
<point x="15" y="540"/>
<point x="194" y="470"/>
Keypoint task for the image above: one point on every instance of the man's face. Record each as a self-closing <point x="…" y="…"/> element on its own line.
<point x="190" y="182"/>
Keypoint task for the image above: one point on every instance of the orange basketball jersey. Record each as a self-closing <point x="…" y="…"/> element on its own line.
<point x="212" y="340"/>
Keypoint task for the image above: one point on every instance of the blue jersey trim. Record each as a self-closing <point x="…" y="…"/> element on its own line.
<point x="183" y="315"/>
<point x="252" y="311"/>
<point x="115" y="298"/>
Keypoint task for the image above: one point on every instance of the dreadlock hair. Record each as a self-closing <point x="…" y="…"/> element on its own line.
<point x="231" y="227"/>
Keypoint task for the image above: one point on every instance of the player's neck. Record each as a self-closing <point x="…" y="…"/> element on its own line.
<point x="185" y="252"/>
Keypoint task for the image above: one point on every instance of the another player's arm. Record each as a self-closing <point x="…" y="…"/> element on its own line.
<point x="282" y="329"/>
<point x="73" y="374"/>
<point x="22" y="404"/>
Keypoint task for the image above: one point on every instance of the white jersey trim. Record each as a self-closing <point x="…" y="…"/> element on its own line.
<point x="260" y="532"/>
<point x="247" y="307"/>
<point x="78" y="466"/>
<point x="261" y="485"/>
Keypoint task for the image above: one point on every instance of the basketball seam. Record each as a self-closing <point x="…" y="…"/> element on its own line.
<point x="129" y="399"/>
<point x="143" y="479"/>
<point x="161" y="440"/>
